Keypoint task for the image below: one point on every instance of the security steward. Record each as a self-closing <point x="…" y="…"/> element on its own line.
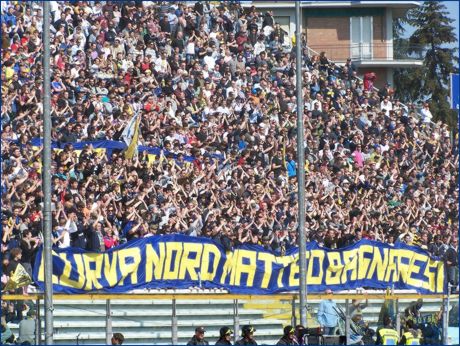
<point x="247" y="336"/>
<point x="411" y="336"/>
<point x="225" y="336"/>
<point x="387" y="335"/>
<point x="198" y="338"/>
<point x="288" y="337"/>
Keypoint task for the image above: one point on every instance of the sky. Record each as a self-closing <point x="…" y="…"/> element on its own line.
<point x="452" y="7"/>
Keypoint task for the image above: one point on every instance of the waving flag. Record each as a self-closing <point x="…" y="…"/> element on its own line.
<point x="130" y="136"/>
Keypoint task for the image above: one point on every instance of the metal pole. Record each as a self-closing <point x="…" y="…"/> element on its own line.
<point x="293" y="317"/>
<point x="38" y="327"/>
<point x="174" y="331"/>
<point x="445" y="317"/>
<point x="347" y="322"/>
<point x="301" y="170"/>
<point x="236" y="319"/>
<point x="108" y="322"/>
<point x="398" y="318"/>
<point x="47" y="177"/>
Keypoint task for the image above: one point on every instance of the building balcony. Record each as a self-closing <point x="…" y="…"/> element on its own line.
<point x="373" y="54"/>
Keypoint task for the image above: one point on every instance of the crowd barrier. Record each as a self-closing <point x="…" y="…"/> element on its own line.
<point x="171" y="316"/>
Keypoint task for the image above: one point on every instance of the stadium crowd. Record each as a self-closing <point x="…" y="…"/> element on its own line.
<point x="214" y="86"/>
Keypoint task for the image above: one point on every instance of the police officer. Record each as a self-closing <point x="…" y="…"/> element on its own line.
<point x="225" y="336"/>
<point x="288" y="337"/>
<point x="247" y="336"/>
<point x="387" y="335"/>
<point x="410" y="336"/>
<point x="198" y="338"/>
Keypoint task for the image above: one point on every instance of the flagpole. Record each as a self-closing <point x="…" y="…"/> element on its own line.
<point x="47" y="176"/>
<point x="301" y="171"/>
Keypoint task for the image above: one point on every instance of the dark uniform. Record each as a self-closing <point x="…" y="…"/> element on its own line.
<point x="224" y="339"/>
<point x="194" y="341"/>
<point x="198" y="341"/>
<point x="247" y="338"/>
<point x="288" y="337"/>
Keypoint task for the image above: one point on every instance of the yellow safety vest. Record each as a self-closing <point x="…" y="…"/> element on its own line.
<point x="389" y="336"/>
<point x="411" y="340"/>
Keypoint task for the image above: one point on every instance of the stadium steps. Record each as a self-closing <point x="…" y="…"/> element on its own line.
<point x="149" y="321"/>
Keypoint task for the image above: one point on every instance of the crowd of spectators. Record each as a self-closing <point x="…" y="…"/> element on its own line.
<point x="215" y="82"/>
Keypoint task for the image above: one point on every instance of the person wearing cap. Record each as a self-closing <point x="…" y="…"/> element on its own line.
<point x="225" y="336"/>
<point x="288" y="337"/>
<point x="247" y="336"/>
<point x="198" y="338"/>
<point x="27" y="328"/>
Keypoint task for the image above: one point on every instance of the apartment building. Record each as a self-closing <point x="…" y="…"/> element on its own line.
<point x="361" y="30"/>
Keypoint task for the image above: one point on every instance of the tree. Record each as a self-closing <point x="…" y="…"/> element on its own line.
<point x="433" y="31"/>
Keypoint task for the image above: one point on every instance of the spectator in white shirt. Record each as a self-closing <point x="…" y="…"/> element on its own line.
<point x="426" y="113"/>
<point x="386" y="106"/>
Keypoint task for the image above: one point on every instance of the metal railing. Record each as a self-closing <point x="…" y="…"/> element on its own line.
<point x="312" y="52"/>
<point x="172" y="318"/>
<point x="381" y="51"/>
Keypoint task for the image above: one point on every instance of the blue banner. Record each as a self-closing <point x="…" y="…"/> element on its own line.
<point x="177" y="261"/>
<point x="111" y="145"/>
<point x="454" y="91"/>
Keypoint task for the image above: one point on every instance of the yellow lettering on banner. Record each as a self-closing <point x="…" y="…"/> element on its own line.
<point x="65" y="279"/>
<point x="392" y="272"/>
<point x="41" y="269"/>
<point x="334" y="269"/>
<point x="209" y="249"/>
<point x="363" y="261"/>
<point x="403" y="268"/>
<point x="169" y="274"/>
<point x="229" y="268"/>
<point x="284" y="261"/>
<point x="379" y="263"/>
<point x="268" y="260"/>
<point x="188" y="264"/>
<point x="294" y="271"/>
<point x="311" y="255"/>
<point x="129" y="268"/>
<point x="350" y="259"/>
<point x="93" y="275"/>
<point x="110" y="268"/>
<point x="154" y="262"/>
<point x="431" y="276"/>
<point x="440" y="281"/>
<point x="249" y="269"/>
<point x="415" y="269"/>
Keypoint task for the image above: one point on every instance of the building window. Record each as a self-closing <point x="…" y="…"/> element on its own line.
<point x="361" y="37"/>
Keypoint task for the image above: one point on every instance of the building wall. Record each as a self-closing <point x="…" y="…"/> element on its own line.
<point x="380" y="45"/>
<point x="332" y="35"/>
<point x="329" y="34"/>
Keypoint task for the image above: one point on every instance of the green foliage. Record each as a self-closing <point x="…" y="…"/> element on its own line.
<point x="433" y="30"/>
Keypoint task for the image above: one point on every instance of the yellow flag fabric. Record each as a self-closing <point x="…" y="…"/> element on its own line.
<point x="20" y="278"/>
<point x="132" y="148"/>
